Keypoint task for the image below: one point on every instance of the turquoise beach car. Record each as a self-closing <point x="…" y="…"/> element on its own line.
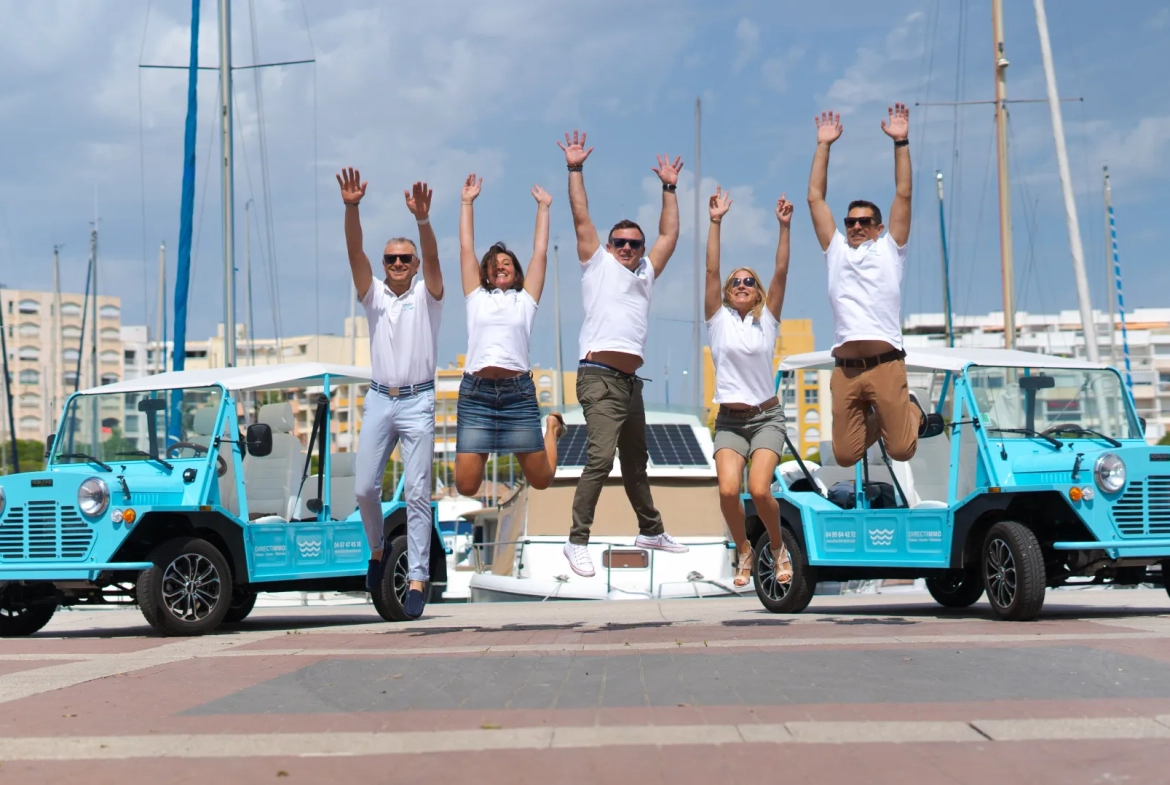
<point x="153" y="496"/>
<point x="1033" y="473"/>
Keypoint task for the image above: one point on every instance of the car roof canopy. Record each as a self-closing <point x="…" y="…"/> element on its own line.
<point x="264" y="377"/>
<point x="948" y="359"/>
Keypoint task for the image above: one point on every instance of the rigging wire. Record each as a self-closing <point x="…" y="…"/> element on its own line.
<point x="142" y="174"/>
<point x="316" y="180"/>
<point x="212" y="117"/>
<point x="955" y="202"/>
<point x="922" y="120"/>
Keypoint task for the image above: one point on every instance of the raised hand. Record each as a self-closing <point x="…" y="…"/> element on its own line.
<point x="719" y="204"/>
<point x="784" y="210"/>
<point x="828" y="127"/>
<point x="418" y="201"/>
<point x="542" y="197"/>
<point x="668" y="172"/>
<point x="899" y="125"/>
<point x="574" y="147"/>
<point x="471" y="188"/>
<point x="352" y="187"/>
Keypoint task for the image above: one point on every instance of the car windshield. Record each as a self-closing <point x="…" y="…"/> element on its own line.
<point x="121" y="425"/>
<point x="1016" y="402"/>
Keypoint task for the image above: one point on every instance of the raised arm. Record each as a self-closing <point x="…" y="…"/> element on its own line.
<point x="575" y="155"/>
<point x="780" y="274"/>
<point x="352" y="191"/>
<point x="717" y="206"/>
<point x="534" y="278"/>
<point x="898" y="129"/>
<point x="468" y="261"/>
<point x="828" y="131"/>
<point x="418" y="201"/>
<point x="668" y="222"/>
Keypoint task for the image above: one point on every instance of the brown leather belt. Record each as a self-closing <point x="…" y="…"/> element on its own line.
<point x="747" y="414"/>
<point x="870" y="362"/>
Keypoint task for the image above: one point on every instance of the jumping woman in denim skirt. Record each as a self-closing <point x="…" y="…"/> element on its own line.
<point x="743" y="322"/>
<point x="498" y="412"/>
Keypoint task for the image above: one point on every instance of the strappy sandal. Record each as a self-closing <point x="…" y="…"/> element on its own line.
<point x="560" y="424"/>
<point x="783" y="564"/>
<point x="743" y="572"/>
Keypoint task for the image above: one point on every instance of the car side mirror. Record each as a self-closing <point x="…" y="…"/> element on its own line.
<point x="933" y="426"/>
<point x="1141" y="424"/>
<point x="52" y="437"/>
<point x="259" y="440"/>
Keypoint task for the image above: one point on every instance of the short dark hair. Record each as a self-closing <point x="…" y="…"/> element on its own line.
<point x="625" y="223"/>
<point x="877" y="212"/>
<point x="485" y="267"/>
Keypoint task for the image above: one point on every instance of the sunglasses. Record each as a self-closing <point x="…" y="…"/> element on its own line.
<point x="749" y="282"/>
<point x="865" y="221"/>
<point x="400" y="258"/>
<point x="622" y="242"/>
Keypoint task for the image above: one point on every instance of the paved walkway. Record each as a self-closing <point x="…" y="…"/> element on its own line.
<point x="886" y="689"/>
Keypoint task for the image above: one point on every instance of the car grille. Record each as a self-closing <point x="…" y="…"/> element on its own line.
<point x="1144" y="509"/>
<point x="44" y="530"/>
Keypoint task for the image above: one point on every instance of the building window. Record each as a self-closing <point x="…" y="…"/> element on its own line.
<point x="109" y="378"/>
<point x="110" y="311"/>
<point x="30" y="400"/>
<point x="70" y="355"/>
<point x="70" y="331"/>
<point x="29" y="329"/>
<point x="131" y="425"/>
<point x="109" y="356"/>
<point x="30" y="423"/>
<point x="111" y="334"/>
<point x="812" y="436"/>
<point x="544" y="381"/>
<point x="71" y="309"/>
<point x="30" y="306"/>
<point x="811" y="416"/>
<point x="128" y="356"/>
<point x="69" y="378"/>
<point x="29" y="353"/>
<point x="789" y="396"/>
<point x="545" y="396"/>
<point x="29" y="376"/>
<point x="812" y="397"/>
<point x="810" y="378"/>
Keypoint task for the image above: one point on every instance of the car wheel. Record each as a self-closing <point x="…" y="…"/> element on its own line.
<point x="777" y="597"/>
<point x="242" y="604"/>
<point x="391" y="594"/>
<point x="1013" y="571"/>
<point x="956" y="588"/>
<point x="188" y="590"/>
<point x="19" y="617"/>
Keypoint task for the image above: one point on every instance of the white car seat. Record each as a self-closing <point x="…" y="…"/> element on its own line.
<point x="271" y="482"/>
<point x="343" y="499"/>
<point x="202" y="432"/>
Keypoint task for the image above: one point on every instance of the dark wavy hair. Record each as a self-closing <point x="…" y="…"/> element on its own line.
<point x="485" y="267"/>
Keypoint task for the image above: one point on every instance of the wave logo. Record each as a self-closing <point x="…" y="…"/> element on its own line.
<point x="881" y="537"/>
<point x="310" y="549"/>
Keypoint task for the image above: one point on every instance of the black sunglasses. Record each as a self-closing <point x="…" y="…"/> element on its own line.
<point x="866" y="221"/>
<point x="749" y="282"/>
<point x="402" y="258"/>
<point x="622" y="242"/>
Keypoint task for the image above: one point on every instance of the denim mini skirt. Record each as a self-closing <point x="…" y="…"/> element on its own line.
<point x="498" y="415"/>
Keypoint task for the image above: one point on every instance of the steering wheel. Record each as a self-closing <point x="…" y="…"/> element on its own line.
<point x="198" y="449"/>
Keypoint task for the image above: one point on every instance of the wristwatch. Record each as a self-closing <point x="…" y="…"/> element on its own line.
<point x="670" y="187"/>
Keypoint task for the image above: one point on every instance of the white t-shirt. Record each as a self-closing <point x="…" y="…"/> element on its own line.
<point x="743" y="352"/>
<point x="617" y="304"/>
<point x="499" y="326"/>
<point x="865" y="289"/>
<point x="404" y="333"/>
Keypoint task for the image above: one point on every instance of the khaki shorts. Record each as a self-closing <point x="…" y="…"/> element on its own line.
<point x="764" y="431"/>
<point x="881" y="390"/>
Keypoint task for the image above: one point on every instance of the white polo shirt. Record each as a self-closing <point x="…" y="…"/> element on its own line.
<point x="617" y="304"/>
<point x="743" y="352"/>
<point x="404" y="333"/>
<point x="499" y="329"/>
<point x="865" y="289"/>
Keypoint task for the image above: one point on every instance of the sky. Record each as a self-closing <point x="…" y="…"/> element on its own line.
<point x="436" y="91"/>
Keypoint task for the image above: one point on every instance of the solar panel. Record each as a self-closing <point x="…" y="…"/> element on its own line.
<point x="572" y="446"/>
<point x="674" y="445"/>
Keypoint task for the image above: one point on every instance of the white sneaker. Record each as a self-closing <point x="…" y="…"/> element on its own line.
<point x="579" y="561"/>
<point x="663" y="542"/>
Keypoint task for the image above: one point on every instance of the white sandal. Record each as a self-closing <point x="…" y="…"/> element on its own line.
<point x="783" y="564"/>
<point x="743" y="572"/>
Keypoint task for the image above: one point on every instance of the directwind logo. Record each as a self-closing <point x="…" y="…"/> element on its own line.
<point x="881" y="537"/>
<point x="310" y="549"/>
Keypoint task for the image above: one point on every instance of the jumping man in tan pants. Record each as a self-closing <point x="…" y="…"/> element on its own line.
<point x="870" y="395"/>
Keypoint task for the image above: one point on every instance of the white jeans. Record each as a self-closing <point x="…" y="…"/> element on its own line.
<point x="385" y="421"/>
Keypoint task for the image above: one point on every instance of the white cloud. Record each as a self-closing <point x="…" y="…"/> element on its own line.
<point x="747" y="37"/>
<point x="775" y="70"/>
<point x="881" y="75"/>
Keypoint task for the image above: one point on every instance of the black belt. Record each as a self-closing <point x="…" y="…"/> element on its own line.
<point x="871" y="362"/>
<point x="752" y="411"/>
<point x="630" y="377"/>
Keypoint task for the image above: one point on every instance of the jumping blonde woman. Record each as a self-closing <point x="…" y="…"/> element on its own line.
<point x="743" y="322"/>
<point x="498" y="411"/>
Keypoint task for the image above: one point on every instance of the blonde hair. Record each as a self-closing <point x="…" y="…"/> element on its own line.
<point x="761" y="292"/>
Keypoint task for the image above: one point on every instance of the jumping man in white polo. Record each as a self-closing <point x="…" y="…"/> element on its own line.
<point x="400" y="406"/>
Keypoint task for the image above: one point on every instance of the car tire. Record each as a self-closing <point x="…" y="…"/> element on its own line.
<point x="774" y="596"/>
<point x="1013" y="571"/>
<point x="18" y="620"/>
<point x="187" y="591"/>
<point x="242" y="604"/>
<point x="391" y="593"/>
<point x="957" y="588"/>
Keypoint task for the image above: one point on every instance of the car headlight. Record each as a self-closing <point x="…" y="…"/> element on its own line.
<point x="3" y="500"/>
<point x="93" y="497"/>
<point x="1110" y="473"/>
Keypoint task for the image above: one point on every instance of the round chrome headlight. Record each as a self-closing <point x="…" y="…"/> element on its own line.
<point x="3" y="500"/>
<point x="93" y="497"/>
<point x="1110" y="473"/>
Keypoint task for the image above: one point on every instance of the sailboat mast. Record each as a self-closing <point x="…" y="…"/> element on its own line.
<point x="1005" y="196"/>
<point x="228" y="183"/>
<point x="1088" y="326"/>
<point x="948" y="318"/>
<point x="54" y="372"/>
<point x="248" y="284"/>
<point x="697" y="380"/>
<point x="1109" y="272"/>
<point x="1117" y="281"/>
